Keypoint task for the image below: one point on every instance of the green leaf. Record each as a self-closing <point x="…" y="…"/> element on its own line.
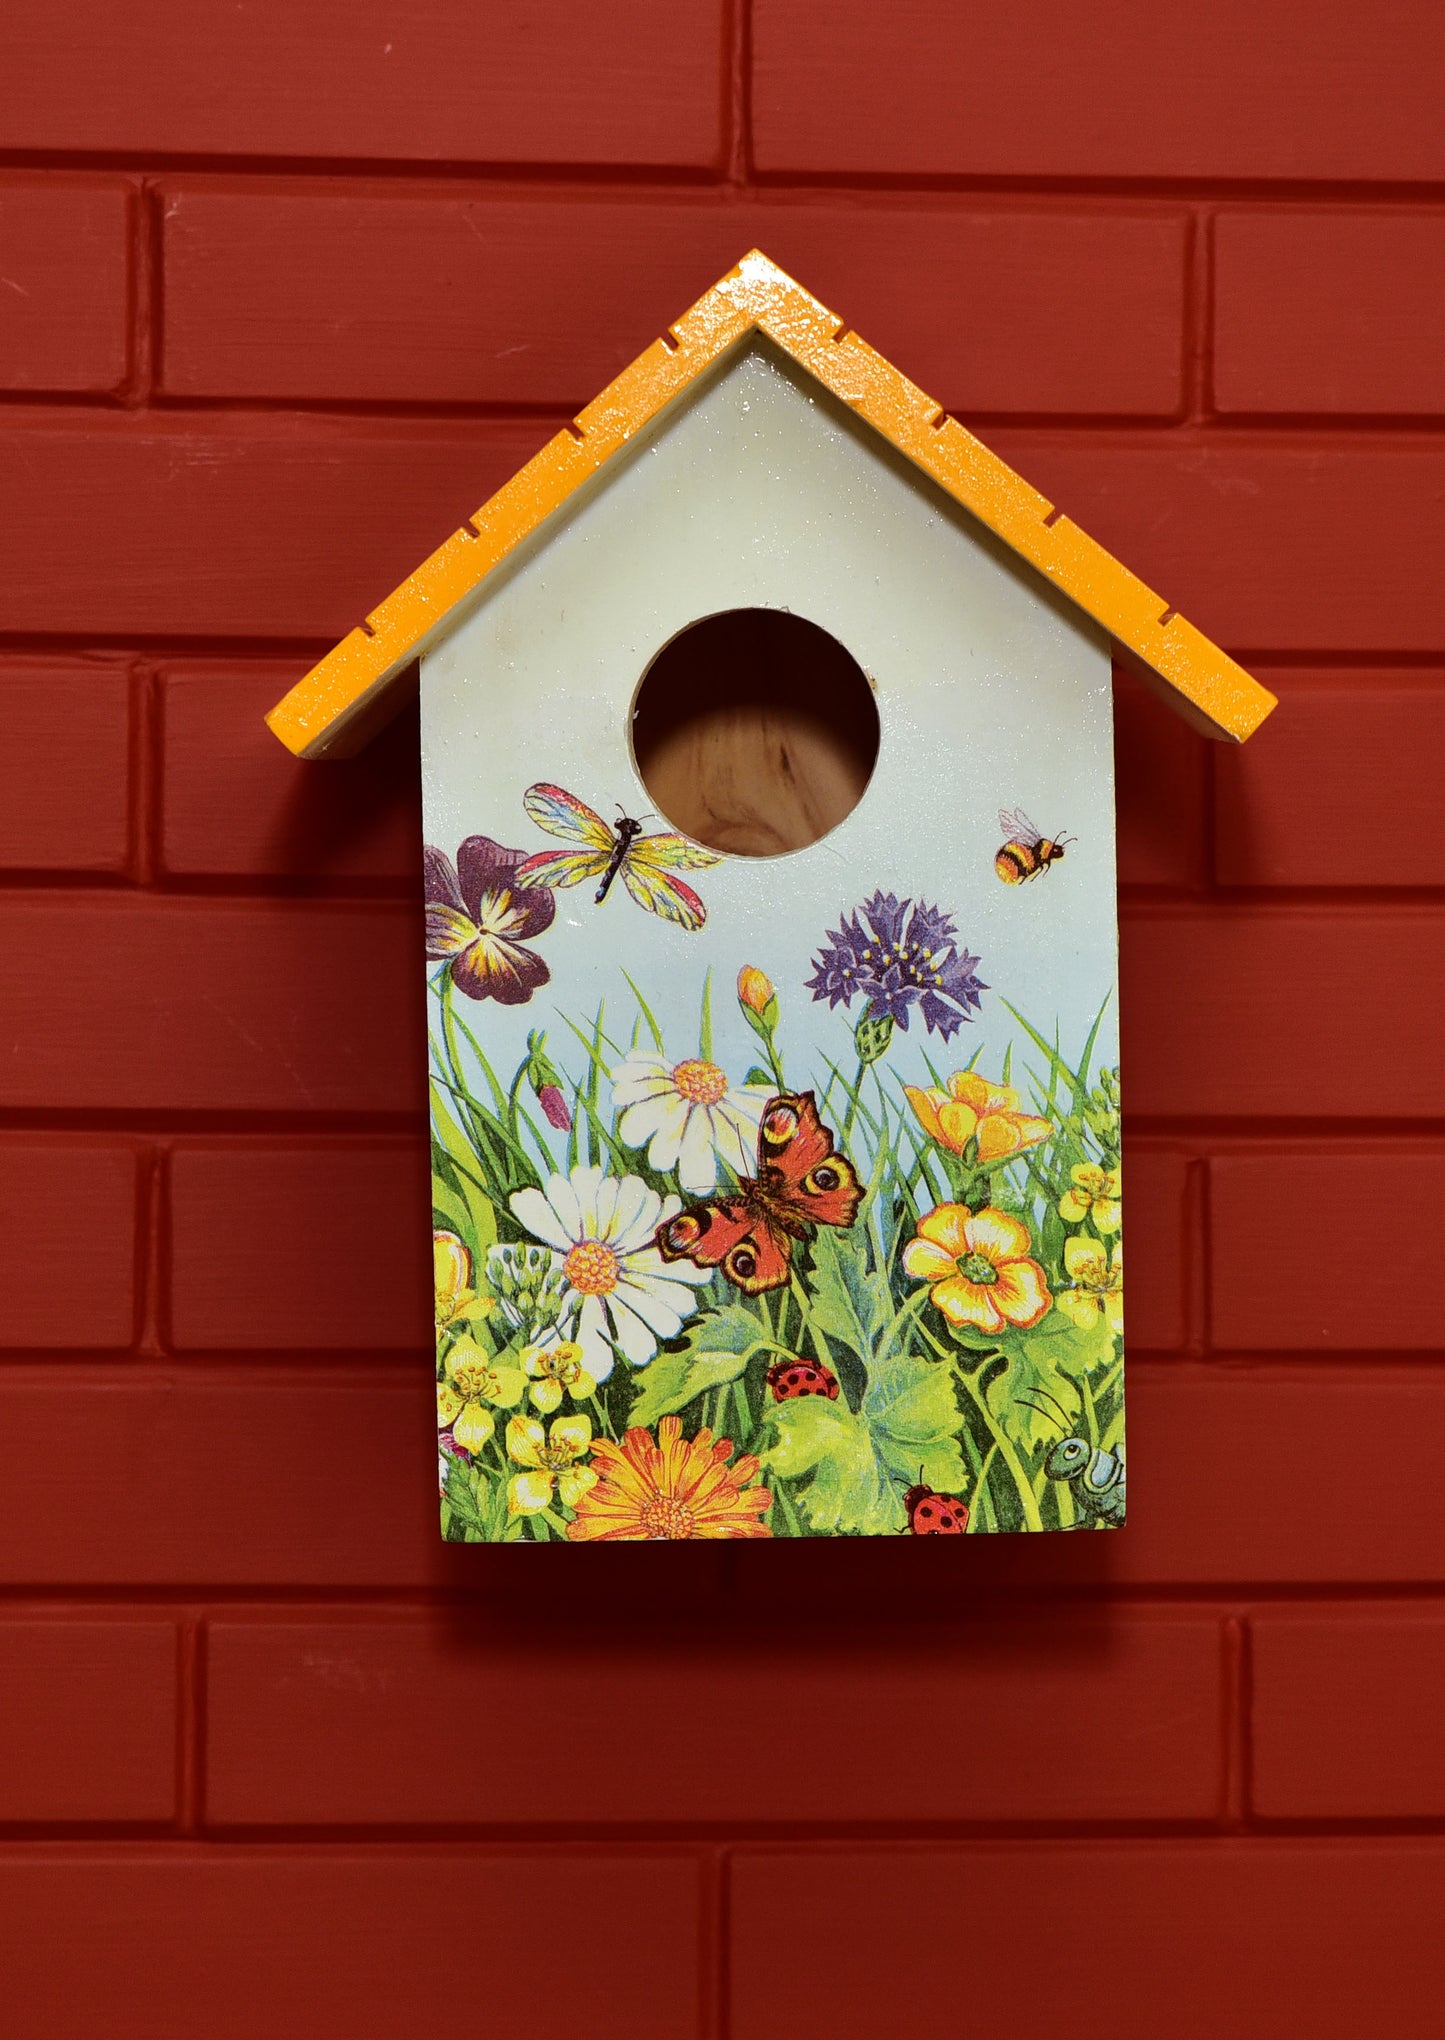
<point x="846" y="1302"/>
<point x="718" y="1348"/>
<point x="449" y="1207"/>
<point x="863" y="1462"/>
<point x="460" y="1498"/>
<point x="849" y="1490"/>
<point x="1039" y="1364"/>
<point x="758" y="1075"/>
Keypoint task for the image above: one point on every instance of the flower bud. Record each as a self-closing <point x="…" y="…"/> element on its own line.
<point x="546" y="1081"/>
<point x="755" y="989"/>
<point x="554" y="1108"/>
<point x="871" y="1037"/>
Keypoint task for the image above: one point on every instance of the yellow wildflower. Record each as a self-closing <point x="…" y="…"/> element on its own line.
<point x="973" y="1109"/>
<point x="1096" y="1284"/>
<point x="457" y="1304"/>
<point x="550" y="1461"/>
<point x="1095" y="1194"/>
<point x="473" y="1379"/>
<point x="553" y="1369"/>
<point x="979" y="1266"/>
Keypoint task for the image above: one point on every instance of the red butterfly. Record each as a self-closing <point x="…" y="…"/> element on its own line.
<point x="787" y="1378"/>
<point x="802" y="1181"/>
<point x="931" y="1514"/>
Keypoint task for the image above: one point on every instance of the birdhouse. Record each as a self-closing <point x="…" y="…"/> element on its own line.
<point x="771" y="956"/>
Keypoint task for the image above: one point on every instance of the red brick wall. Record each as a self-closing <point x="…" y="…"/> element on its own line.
<point x="285" y="290"/>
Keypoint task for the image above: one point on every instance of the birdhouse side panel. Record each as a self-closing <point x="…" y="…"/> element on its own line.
<point x="773" y="1196"/>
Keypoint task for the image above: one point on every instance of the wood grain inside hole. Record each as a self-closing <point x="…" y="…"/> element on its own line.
<point x="755" y="732"/>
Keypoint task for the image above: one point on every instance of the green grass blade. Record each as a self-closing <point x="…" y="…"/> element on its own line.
<point x="646" y="1011"/>
<point x="704" y="1025"/>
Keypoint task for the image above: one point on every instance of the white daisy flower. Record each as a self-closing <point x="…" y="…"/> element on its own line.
<point x="688" y="1116"/>
<point x="624" y="1292"/>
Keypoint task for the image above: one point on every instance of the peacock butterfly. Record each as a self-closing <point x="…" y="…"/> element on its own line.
<point x="802" y="1181"/>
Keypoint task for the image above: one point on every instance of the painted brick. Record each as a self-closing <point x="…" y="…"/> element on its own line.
<point x="236" y="1005"/>
<point x="238" y="804"/>
<point x="67" y="1242"/>
<point x="1160" y="778"/>
<point x="637" y="83"/>
<point x="64" y="767"/>
<point x="64" y="268"/>
<point x="272" y="1475"/>
<point x="1297" y="1290"/>
<point x="494" y="299"/>
<point x="1160" y="1245"/>
<point x="1215" y="1468"/>
<point x="1292" y="542"/>
<point x="250" y="527"/>
<point x="1340" y="311"/>
<point x="268" y="525"/>
<point x="90" y="1730"/>
<point x="1050" y="91"/>
<point x="1237" y="1012"/>
<point x="333" y="1944"/>
<point x="1192" y="1939"/>
<point x="341" y="1232"/>
<point x="222" y="1476"/>
<point x="1373" y="1749"/>
<point x="316" y="1721"/>
<point x="1344" y="786"/>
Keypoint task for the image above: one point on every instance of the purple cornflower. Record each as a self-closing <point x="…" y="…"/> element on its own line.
<point x="900" y="952"/>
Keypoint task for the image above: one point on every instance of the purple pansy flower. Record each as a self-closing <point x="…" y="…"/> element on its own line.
<point x="899" y="953"/>
<point x="479" y="917"/>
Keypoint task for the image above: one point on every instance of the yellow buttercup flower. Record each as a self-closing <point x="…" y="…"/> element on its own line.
<point x="473" y="1379"/>
<point x="554" y="1370"/>
<point x="973" y="1109"/>
<point x="1095" y="1194"/>
<point x="457" y="1304"/>
<point x="1097" y="1284"/>
<point x="979" y="1266"/>
<point x="549" y="1458"/>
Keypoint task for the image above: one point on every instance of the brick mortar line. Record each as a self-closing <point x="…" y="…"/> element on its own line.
<point x="1138" y="903"/>
<point x="702" y="1840"/>
<point x="265" y="1602"/>
<point x="583" y="175"/>
<point x="1290" y="431"/>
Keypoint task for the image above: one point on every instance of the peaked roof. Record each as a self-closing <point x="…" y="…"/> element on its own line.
<point x="346" y="698"/>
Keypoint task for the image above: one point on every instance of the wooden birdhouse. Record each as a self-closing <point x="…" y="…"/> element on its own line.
<point x="770" y="954"/>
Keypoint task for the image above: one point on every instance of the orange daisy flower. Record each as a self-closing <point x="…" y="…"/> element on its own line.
<point x="675" y="1487"/>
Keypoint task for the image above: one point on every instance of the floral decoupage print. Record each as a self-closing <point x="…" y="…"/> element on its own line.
<point x="823" y="1241"/>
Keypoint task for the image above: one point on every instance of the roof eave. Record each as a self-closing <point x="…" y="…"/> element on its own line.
<point x="348" y="695"/>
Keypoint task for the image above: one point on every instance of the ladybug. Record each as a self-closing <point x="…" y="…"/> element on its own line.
<point x="931" y="1514"/>
<point x="787" y="1378"/>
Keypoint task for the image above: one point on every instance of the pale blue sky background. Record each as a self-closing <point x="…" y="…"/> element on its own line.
<point x="760" y="490"/>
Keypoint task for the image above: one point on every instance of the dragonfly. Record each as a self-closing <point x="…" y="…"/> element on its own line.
<point x="647" y="865"/>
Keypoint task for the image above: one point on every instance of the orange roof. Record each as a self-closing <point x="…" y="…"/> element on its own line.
<point x="350" y="694"/>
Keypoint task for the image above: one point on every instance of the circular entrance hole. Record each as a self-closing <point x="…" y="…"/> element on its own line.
<point x="755" y="732"/>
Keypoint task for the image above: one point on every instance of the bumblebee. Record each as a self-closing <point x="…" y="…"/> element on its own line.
<point x="1026" y="852"/>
